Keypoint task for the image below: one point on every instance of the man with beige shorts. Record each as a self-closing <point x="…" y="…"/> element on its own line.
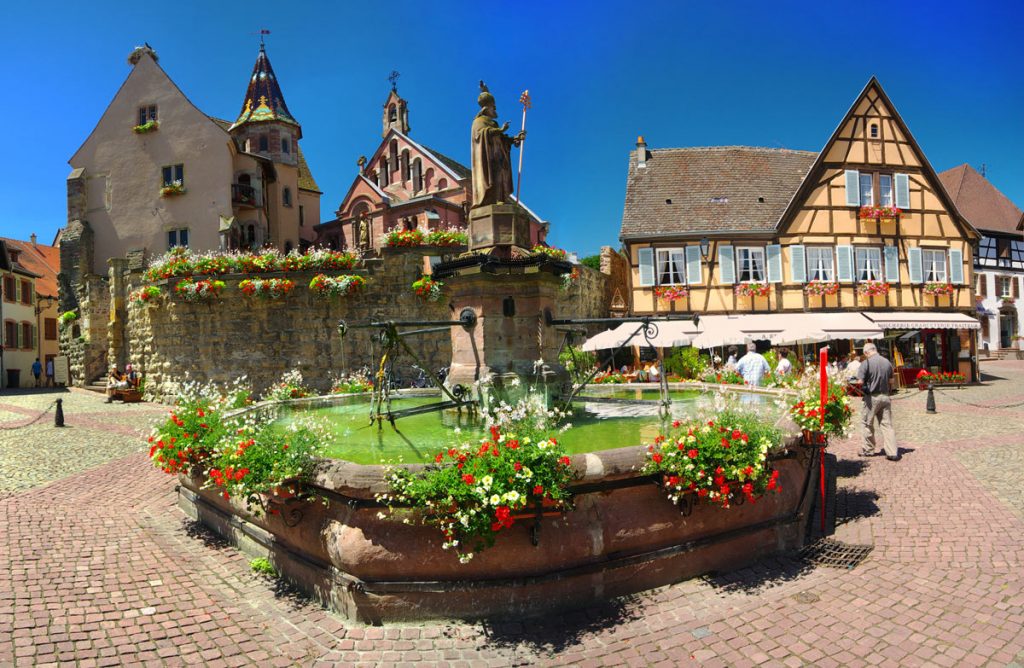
<point x="874" y="374"/>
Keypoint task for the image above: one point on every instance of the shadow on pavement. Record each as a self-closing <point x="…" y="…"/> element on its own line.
<point x="854" y="504"/>
<point x="760" y="576"/>
<point x="849" y="468"/>
<point x="555" y="633"/>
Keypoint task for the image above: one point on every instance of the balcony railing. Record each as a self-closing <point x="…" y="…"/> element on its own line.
<point x="244" y="195"/>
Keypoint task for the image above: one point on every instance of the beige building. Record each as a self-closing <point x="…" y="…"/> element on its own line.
<point x="156" y="172"/>
<point x="18" y="312"/>
<point x="44" y="262"/>
<point x="864" y="226"/>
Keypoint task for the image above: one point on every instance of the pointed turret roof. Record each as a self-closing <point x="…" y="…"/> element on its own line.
<point x="263" y="99"/>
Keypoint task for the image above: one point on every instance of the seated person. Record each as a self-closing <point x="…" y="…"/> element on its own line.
<point x="131" y="376"/>
<point x="784" y="366"/>
<point x="115" y="381"/>
<point x="654" y="372"/>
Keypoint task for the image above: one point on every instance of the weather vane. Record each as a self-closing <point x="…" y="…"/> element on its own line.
<point x="262" y="32"/>
<point x="393" y="78"/>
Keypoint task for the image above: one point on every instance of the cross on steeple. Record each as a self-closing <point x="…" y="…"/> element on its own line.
<point x="393" y="78"/>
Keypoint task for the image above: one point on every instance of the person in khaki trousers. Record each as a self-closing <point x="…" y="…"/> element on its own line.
<point x="874" y="374"/>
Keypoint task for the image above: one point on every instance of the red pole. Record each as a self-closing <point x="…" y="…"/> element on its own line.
<point x="823" y="381"/>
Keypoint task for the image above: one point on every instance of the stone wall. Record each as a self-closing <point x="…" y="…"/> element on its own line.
<point x="221" y="340"/>
<point x="615" y="266"/>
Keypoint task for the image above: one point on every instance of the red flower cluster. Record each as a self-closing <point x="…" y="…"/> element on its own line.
<point x="503" y="518"/>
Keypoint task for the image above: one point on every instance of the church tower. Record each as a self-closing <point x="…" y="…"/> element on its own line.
<point x="265" y="126"/>
<point x="396" y="111"/>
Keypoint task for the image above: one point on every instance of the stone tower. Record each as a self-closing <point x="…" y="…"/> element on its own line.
<point x="396" y="114"/>
<point x="265" y="126"/>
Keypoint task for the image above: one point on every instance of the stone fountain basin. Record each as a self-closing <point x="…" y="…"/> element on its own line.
<point x="624" y="536"/>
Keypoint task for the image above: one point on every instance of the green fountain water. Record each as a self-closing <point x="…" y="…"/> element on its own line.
<point x="417" y="438"/>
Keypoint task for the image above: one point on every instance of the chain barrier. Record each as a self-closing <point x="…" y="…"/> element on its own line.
<point x="950" y="394"/>
<point x="33" y="421"/>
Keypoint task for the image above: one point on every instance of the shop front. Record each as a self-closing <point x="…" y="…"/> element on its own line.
<point x="932" y="342"/>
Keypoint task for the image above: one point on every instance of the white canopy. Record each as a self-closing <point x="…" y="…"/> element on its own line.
<point x="922" y="320"/>
<point x="670" y="334"/>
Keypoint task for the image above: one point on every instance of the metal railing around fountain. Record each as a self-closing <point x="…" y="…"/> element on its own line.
<point x="393" y="340"/>
<point x="646" y="325"/>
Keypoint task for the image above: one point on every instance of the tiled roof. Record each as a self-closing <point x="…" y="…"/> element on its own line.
<point x="979" y="201"/>
<point x="306" y="180"/>
<point x="263" y="98"/>
<point x="38" y="259"/>
<point x="460" y="170"/>
<point x="711" y="189"/>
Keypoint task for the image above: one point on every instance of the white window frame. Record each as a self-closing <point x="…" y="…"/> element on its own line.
<point x="817" y="270"/>
<point x="867" y="198"/>
<point x="933" y="265"/>
<point x="667" y="265"/>
<point x="868" y="263"/>
<point x="883" y="190"/>
<point x="175" y="171"/>
<point x="746" y="267"/>
<point x="176" y="235"/>
<point x="1005" y="286"/>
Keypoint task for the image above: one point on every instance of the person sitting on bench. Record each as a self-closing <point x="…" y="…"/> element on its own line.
<point x="115" y="381"/>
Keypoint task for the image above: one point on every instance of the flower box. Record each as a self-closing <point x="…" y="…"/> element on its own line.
<point x="926" y="378"/>
<point x="822" y="288"/>
<point x="871" y="289"/>
<point x="197" y="291"/>
<point x="752" y="290"/>
<point x="938" y="289"/>
<point x="266" y="288"/>
<point x="147" y="127"/>
<point x="547" y="508"/>
<point x="671" y="293"/>
<point x="427" y="289"/>
<point x="327" y="287"/>
<point x="550" y="251"/>
<point x="172" y="189"/>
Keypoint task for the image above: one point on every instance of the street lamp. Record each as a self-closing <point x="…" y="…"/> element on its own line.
<point x="705" y="246"/>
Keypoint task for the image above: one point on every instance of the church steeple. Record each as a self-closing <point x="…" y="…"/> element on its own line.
<point x="264" y="101"/>
<point x="396" y="111"/>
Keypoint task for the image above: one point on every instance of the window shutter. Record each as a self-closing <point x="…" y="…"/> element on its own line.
<point x="694" y="271"/>
<point x="726" y="265"/>
<point x="892" y="264"/>
<point x="774" y="255"/>
<point x="956" y="266"/>
<point x="646" y="257"/>
<point x="902" y="191"/>
<point x="844" y="264"/>
<point x="797" y="264"/>
<point x="1013" y="282"/>
<point x="983" y="285"/>
<point x="914" y="265"/>
<point x="852" y="187"/>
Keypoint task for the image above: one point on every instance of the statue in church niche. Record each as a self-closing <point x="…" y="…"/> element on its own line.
<point x="492" y="148"/>
<point x="364" y="231"/>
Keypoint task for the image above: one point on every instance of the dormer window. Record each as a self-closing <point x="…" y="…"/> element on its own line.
<point x="147" y="114"/>
<point x="873" y="130"/>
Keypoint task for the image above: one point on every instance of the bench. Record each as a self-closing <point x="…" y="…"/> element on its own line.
<point x="128" y="395"/>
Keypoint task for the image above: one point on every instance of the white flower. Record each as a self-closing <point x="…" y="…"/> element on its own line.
<point x="495" y="499"/>
<point x="487" y="481"/>
<point x="512" y="496"/>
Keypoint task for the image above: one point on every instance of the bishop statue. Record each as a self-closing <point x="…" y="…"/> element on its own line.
<point x="492" y="164"/>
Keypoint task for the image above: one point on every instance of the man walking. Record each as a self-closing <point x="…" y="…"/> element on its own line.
<point x="37" y="371"/>
<point x="874" y="374"/>
<point x="752" y="366"/>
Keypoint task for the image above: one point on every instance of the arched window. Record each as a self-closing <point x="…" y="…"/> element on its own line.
<point x="405" y="165"/>
<point x="286" y="196"/>
<point x="393" y="162"/>
<point x="385" y="174"/>
<point x="392" y="113"/>
<point x="428" y="179"/>
<point x="442" y="184"/>
<point x="417" y="175"/>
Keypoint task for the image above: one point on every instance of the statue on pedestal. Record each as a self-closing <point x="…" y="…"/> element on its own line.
<point x="492" y="165"/>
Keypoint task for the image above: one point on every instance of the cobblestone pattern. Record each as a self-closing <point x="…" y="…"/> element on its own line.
<point x="100" y="568"/>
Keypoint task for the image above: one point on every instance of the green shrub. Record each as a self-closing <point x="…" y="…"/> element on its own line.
<point x="685" y="362"/>
<point x="592" y="261"/>
<point x="263" y="566"/>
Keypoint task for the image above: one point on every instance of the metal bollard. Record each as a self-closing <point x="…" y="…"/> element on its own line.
<point x="58" y="416"/>
<point x="930" y="405"/>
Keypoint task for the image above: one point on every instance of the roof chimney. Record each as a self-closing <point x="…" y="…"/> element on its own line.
<point x="641" y="152"/>
<point x="32" y="237"/>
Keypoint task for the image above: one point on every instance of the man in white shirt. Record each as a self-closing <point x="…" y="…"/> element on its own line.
<point x="752" y="366"/>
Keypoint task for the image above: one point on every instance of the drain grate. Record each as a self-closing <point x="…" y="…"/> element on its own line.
<point x="832" y="553"/>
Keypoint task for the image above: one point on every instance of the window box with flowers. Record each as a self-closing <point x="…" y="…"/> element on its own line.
<point x="869" y="289"/>
<point x="427" y="289"/>
<point x="868" y="212"/>
<point x="888" y="215"/>
<point x="671" y="293"/>
<point x="148" y="295"/>
<point x="822" y="288"/>
<point x="752" y="290"/>
<point x="1008" y="301"/>
<point x="328" y="287"/>
<point x="550" y="251"/>
<point x="146" y="128"/>
<point x="198" y="291"/>
<point x="172" y="189"/>
<point x="266" y="288"/>
<point x="938" y="289"/>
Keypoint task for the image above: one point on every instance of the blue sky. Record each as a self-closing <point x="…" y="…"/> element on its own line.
<point x="681" y="73"/>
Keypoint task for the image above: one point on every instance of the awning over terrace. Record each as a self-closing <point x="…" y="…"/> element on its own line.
<point x="921" y="320"/>
<point x="725" y="330"/>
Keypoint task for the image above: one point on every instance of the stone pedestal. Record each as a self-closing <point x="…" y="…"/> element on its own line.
<point x="497" y="228"/>
<point x="510" y="344"/>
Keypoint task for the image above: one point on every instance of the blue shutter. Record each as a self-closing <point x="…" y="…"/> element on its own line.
<point x="844" y="264"/>
<point x="646" y="258"/>
<point x="694" y="272"/>
<point x="902" y="191"/>
<point x="797" y="264"/>
<point x="892" y="264"/>
<point x="914" y="265"/>
<point x="956" y="267"/>
<point x="774" y="255"/>
<point x="726" y="265"/>
<point x="852" y="187"/>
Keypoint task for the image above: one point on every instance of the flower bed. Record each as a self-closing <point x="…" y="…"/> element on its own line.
<point x="353" y="383"/>
<point x="145" y="295"/>
<point x="938" y="289"/>
<point x="266" y="288"/>
<point x="427" y="289"/>
<point x="198" y="291"/>
<point x="328" y="287"/>
<point x="822" y="288"/>
<point x="752" y="290"/>
<point x="671" y="293"/>
<point x="925" y="377"/>
<point x="722" y="376"/>
<point x="873" y="289"/>
<point x="550" y="251"/>
<point x="183" y="262"/>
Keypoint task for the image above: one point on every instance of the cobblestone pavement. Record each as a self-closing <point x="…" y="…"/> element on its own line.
<point x="99" y="567"/>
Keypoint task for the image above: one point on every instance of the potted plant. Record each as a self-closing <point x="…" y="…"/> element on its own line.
<point x="396" y="238"/>
<point x="266" y="288"/>
<point x="868" y="212"/>
<point x="448" y="237"/>
<point x="198" y="291"/>
<point x="145" y="295"/>
<point x="144" y="128"/>
<point x="427" y="289"/>
<point x="550" y="251"/>
<point x="808" y="409"/>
